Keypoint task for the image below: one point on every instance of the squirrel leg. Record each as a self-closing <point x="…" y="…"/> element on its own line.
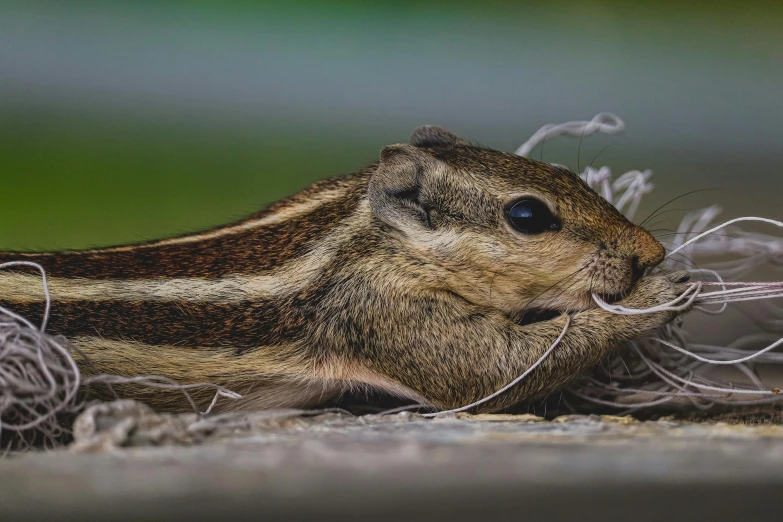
<point x="457" y="356"/>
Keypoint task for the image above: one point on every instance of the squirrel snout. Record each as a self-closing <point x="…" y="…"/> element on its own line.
<point x="648" y="252"/>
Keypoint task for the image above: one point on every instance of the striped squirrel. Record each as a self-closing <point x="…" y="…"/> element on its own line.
<point x="438" y="273"/>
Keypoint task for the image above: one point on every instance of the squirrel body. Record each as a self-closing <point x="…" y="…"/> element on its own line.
<point x="438" y="273"/>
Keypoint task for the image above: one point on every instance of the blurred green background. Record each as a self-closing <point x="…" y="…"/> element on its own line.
<point x="122" y="121"/>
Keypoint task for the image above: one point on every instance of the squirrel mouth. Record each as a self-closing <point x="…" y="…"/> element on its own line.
<point x="609" y="298"/>
<point x="537" y="315"/>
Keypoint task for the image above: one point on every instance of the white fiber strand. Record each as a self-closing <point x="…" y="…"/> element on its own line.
<point x="604" y="122"/>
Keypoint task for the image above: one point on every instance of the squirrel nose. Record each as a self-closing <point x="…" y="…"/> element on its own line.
<point x="648" y="252"/>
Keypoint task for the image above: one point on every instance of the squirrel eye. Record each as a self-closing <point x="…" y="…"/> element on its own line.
<point x="531" y="216"/>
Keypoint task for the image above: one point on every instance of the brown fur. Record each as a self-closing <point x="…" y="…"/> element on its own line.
<point x="405" y="276"/>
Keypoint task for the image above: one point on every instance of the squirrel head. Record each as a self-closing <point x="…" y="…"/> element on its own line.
<point x="505" y="231"/>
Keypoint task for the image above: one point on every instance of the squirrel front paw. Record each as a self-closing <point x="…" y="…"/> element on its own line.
<point x="655" y="290"/>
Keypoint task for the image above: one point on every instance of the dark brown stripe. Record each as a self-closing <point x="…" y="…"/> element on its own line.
<point x="238" y="325"/>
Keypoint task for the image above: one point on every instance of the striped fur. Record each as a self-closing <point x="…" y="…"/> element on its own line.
<point x="403" y="277"/>
<point x="217" y="306"/>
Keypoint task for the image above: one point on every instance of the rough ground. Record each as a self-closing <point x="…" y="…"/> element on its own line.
<point x="305" y="466"/>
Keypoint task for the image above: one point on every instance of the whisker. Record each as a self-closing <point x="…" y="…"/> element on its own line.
<point x="564" y="279"/>
<point x="597" y="155"/>
<point x="579" y="150"/>
<point x="574" y="283"/>
<point x="673" y="200"/>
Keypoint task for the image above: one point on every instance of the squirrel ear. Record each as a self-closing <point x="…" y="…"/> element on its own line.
<point x="432" y="136"/>
<point x="396" y="188"/>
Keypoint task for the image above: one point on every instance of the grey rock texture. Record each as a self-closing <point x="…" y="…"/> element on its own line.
<point x="129" y="463"/>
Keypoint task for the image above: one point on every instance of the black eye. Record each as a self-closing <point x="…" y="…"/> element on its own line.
<point x="531" y="216"/>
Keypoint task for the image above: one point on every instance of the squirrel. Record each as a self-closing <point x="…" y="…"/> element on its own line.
<point x="438" y="274"/>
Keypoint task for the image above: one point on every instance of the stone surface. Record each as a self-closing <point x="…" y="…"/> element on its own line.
<point x="289" y="465"/>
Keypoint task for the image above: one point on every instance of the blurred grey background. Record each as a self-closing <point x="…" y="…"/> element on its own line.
<point x="122" y="121"/>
